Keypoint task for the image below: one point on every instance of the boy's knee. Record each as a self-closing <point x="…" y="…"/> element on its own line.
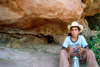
<point x="89" y="52"/>
<point x="63" y="52"/>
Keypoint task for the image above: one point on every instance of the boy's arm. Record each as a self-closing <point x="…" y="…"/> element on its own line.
<point x="69" y="49"/>
<point x="82" y="49"/>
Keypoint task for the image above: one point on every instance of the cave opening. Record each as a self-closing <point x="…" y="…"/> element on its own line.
<point x="26" y="39"/>
<point x="94" y="21"/>
<point x="50" y="39"/>
<point x="83" y="1"/>
<point x="47" y="39"/>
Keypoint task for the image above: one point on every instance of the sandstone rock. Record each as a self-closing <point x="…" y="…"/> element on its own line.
<point x="10" y="10"/>
<point x="7" y="63"/>
<point x="41" y="27"/>
<point x="43" y="18"/>
<point x="27" y="58"/>
<point x="35" y="26"/>
<point x="29" y="23"/>
<point x="92" y="7"/>
<point x="53" y="8"/>
<point x="3" y="37"/>
<point x="16" y="44"/>
<point x="8" y="44"/>
<point x="32" y="39"/>
<point x="60" y="38"/>
<point x="54" y="50"/>
<point x="86" y="31"/>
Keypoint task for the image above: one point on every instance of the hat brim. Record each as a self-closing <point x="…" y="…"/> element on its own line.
<point x="80" y="26"/>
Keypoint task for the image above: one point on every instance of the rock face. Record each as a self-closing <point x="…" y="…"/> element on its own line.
<point x="10" y="10"/>
<point x="63" y="9"/>
<point x="43" y="21"/>
<point x="27" y="58"/>
<point x="92" y="7"/>
<point x="40" y="25"/>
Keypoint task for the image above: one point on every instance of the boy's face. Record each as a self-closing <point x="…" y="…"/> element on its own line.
<point x="74" y="31"/>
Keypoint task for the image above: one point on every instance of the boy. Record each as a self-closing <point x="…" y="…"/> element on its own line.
<point x="75" y="45"/>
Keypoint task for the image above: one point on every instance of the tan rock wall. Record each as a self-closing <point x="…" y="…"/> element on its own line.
<point x="10" y="10"/>
<point x="66" y="10"/>
<point x="92" y="7"/>
<point x="45" y="17"/>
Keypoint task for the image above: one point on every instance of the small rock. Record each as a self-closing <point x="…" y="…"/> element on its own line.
<point x="54" y="50"/>
<point x="16" y="44"/>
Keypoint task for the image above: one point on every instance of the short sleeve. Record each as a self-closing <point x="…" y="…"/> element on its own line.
<point x="84" y="43"/>
<point x="65" y="44"/>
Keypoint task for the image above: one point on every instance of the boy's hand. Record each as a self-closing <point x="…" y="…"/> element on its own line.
<point x="70" y="48"/>
<point x="80" y="49"/>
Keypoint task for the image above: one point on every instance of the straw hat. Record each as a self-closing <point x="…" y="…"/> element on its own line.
<point x="74" y="23"/>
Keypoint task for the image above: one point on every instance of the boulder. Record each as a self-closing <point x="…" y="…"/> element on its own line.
<point x="10" y="10"/>
<point x="92" y="7"/>
<point x="60" y="38"/>
<point x="15" y="44"/>
<point x="54" y="50"/>
<point x="44" y="18"/>
<point x="62" y="9"/>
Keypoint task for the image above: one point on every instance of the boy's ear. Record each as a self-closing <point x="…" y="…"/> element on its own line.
<point x="79" y="31"/>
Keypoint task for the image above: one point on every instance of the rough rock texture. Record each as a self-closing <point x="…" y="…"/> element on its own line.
<point x="92" y="7"/>
<point x="43" y="21"/>
<point x="28" y="58"/>
<point x="39" y="16"/>
<point x="63" y="9"/>
<point x="10" y="10"/>
<point x="39" y="27"/>
<point x="86" y="31"/>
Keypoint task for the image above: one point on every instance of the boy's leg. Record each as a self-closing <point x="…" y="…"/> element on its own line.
<point x="90" y="58"/>
<point x="64" y="58"/>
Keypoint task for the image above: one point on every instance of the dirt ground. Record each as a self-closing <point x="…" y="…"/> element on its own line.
<point x="29" y="57"/>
